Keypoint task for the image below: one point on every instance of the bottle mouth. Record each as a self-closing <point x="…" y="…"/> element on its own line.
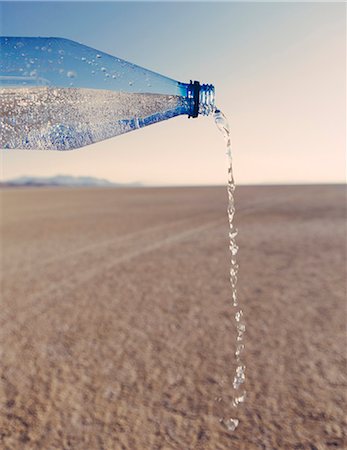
<point x="206" y="99"/>
<point x="201" y="98"/>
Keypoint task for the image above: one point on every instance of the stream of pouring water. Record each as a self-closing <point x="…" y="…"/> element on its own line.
<point x="239" y="376"/>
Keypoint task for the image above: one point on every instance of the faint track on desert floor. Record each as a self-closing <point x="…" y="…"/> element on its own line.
<point x="97" y="245"/>
<point x="241" y="211"/>
<point x="121" y="243"/>
<point x="60" y="288"/>
<point x="116" y="245"/>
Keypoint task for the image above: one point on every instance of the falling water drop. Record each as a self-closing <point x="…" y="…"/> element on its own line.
<point x="230" y="424"/>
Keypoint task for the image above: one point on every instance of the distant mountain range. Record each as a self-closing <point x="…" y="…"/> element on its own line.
<point x="65" y="180"/>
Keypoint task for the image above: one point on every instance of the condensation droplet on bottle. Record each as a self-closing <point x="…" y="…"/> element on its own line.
<point x="98" y="56"/>
<point x="130" y="83"/>
<point x="83" y="58"/>
<point x="71" y="74"/>
<point x="103" y="69"/>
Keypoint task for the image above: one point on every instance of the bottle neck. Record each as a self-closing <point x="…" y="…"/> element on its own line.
<point x="201" y="99"/>
<point x="206" y="99"/>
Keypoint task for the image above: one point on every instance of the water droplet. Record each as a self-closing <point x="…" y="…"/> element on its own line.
<point x="238" y="315"/>
<point x="103" y="69"/>
<point x="93" y="72"/>
<point x="239" y="349"/>
<point x="83" y="58"/>
<point x="61" y="52"/>
<point x="43" y="48"/>
<point x="241" y="327"/>
<point x="239" y="377"/>
<point x="233" y="234"/>
<point x="71" y="74"/>
<point x="98" y="56"/>
<point x="130" y="83"/>
<point x="233" y="272"/>
<point x="114" y="76"/>
<point x="230" y="424"/>
<point x="240" y="399"/>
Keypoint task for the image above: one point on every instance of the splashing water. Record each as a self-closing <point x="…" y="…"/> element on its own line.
<point x="239" y="376"/>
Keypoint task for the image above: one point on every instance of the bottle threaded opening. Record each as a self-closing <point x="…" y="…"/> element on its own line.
<point x="206" y="99"/>
<point x="201" y="99"/>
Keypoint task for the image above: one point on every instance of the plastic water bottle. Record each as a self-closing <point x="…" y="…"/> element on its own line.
<point x="58" y="94"/>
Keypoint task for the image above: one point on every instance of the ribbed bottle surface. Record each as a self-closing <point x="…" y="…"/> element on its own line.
<point x="206" y="99"/>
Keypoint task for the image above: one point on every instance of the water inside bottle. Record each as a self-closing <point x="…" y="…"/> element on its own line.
<point x="239" y="396"/>
<point x="45" y="118"/>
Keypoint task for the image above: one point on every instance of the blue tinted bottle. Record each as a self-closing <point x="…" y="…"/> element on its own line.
<point x="60" y="95"/>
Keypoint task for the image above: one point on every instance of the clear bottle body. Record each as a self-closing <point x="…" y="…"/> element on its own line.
<point x="58" y="94"/>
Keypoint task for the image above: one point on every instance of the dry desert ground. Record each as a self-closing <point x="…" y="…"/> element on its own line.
<point x="117" y="329"/>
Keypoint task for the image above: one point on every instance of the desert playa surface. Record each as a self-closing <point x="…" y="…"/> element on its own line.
<point x="117" y="328"/>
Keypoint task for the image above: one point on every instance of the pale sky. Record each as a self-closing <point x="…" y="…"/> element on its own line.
<point x="278" y="70"/>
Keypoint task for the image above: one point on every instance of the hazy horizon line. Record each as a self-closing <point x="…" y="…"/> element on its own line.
<point x="131" y="185"/>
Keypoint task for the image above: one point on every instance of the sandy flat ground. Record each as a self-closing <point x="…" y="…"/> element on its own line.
<point x="116" y="319"/>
